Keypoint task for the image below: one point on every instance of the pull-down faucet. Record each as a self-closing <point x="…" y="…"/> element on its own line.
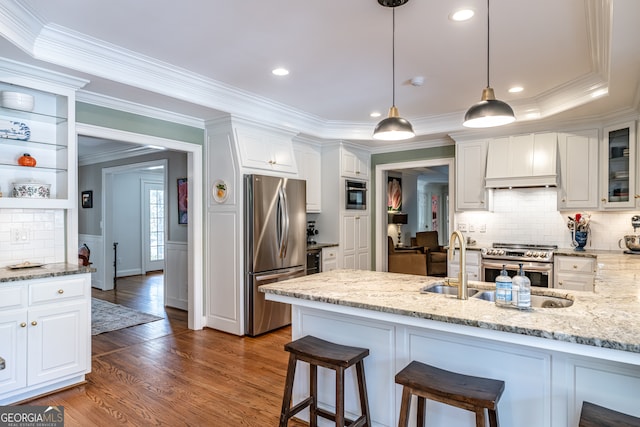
<point x="462" y="274"/>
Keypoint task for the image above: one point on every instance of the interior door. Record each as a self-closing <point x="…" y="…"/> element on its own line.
<point x="153" y="236"/>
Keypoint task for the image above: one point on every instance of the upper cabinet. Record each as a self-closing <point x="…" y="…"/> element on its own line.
<point x="578" y="187"/>
<point x="618" y="167"/>
<point x="309" y="160"/>
<point x="471" y="160"/>
<point x="265" y="148"/>
<point x="38" y="125"/>
<point x="354" y="163"/>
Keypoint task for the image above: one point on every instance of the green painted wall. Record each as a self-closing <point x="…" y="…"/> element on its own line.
<point x="441" y="152"/>
<point x="114" y="119"/>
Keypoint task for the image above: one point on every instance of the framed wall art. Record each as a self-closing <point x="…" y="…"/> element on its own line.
<point x="86" y="199"/>
<point x="183" y="192"/>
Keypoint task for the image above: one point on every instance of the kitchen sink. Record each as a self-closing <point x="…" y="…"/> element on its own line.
<point x="538" y="301"/>
<point x="441" y="288"/>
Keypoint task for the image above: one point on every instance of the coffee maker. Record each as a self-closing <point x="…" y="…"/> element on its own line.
<point x="311" y="232"/>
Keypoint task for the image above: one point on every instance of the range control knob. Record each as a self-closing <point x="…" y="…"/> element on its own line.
<point x="528" y="253"/>
<point x="501" y="252"/>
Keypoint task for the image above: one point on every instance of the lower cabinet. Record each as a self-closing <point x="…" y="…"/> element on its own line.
<point x="574" y="273"/>
<point x="355" y="242"/>
<point x="330" y="258"/>
<point x="473" y="267"/>
<point x="45" y="330"/>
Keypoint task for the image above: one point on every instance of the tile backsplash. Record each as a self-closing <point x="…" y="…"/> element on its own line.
<point x="34" y="235"/>
<point x="530" y="215"/>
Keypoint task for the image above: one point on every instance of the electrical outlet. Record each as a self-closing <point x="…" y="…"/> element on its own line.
<point x="462" y="227"/>
<point x="19" y="235"/>
<point x="472" y="228"/>
<point x="483" y="228"/>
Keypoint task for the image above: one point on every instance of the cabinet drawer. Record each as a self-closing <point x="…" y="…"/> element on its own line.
<point x="329" y="253"/>
<point x="46" y="292"/>
<point x="571" y="264"/>
<point x="12" y="297"/>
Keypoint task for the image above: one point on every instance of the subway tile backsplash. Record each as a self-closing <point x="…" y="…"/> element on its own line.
<point x="34" y="235"/>
<point x="530" y="215"/>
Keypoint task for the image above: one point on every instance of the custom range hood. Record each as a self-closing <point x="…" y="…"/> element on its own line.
<point x="522" y="161"/>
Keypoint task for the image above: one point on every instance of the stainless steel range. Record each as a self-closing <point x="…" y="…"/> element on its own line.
<point x="536" y="260"/>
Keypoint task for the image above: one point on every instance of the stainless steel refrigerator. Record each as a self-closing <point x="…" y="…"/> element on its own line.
<point x="275" y="245"/>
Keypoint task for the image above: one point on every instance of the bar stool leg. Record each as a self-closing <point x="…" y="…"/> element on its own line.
<point x="288" y="388"/>
<point x="493" y="418"/>
<point x="405" y="406"/>
<point x="340" y="397"/>
<point x="479" y="417"/>
<point x="313" y="392"/>
<point x="362" y="391"/>
<point x="422" y="407"/>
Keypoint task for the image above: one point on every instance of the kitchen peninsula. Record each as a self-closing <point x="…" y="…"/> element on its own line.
<point x="550" y="358"/>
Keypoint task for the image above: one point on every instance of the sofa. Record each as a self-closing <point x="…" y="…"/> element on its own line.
<point x="406" y="261"/>
<point x="436" y="255"/>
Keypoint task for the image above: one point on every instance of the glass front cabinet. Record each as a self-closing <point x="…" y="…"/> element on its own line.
<point x="38" y="156"/>
<point x="618" y="189"/>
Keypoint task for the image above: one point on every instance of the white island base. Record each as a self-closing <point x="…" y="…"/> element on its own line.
<point x="546" y="380"/>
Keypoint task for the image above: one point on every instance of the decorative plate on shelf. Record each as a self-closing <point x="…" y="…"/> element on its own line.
<point x="220" y="191"/>
<point x="14" y="130"/>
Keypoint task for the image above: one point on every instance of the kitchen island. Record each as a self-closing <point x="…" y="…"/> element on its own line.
<point x="550" y="358"/>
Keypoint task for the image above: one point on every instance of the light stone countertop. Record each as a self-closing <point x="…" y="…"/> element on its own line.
<point x="47" y="270"/>
<point x="609" y="317"/>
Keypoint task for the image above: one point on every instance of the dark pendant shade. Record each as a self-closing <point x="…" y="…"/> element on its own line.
<point x="488" y="112"/>
<point x="393" y="128"/>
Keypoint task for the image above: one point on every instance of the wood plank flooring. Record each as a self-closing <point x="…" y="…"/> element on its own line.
<point x="161" y="373"/>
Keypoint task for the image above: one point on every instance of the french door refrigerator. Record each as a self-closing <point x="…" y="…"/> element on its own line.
<point x="275" y="245"/>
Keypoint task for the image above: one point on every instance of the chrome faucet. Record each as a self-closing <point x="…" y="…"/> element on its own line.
<point x="462" y="274"/>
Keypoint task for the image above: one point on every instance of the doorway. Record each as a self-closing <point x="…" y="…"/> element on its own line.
<point x="194" y="247"/>
<point x="443" y="215"/>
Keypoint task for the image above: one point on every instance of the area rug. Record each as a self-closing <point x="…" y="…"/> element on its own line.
<point x="107" y="317"/>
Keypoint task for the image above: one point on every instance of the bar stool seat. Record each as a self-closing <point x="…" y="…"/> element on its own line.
<point x="597" y="416"/>
<point x="462" y="391"/>
<point x="317" y="352"/>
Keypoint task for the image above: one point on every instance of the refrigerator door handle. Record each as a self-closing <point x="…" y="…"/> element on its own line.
<point x="288" y="273"/>
<point x="285" y="239"/>
<point x="279" y="223"/>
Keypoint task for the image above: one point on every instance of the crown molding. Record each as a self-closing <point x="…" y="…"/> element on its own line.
<point x="138" y="109"/>
<point x="115" y="155"/>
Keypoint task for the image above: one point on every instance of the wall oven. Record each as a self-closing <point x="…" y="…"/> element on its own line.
<point x="536" y="260"/>
<point x="355" y="195"/>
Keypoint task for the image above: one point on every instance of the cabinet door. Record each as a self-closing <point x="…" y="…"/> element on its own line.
<point x="471" y="158"/>
<point x="13" y="349"/>
<point x="309" y="168"/>
<point x="58" y="341"/>
<point x="618" y="166"/>
<point x="364" y="256"/>
<point x="578" y="170"/>
<point x="355" y="242"/>
<point x="354" y="164"/>
<point x="574" y="282"/>
<point x="261" y="150"/>
<point x="329" y="259"/>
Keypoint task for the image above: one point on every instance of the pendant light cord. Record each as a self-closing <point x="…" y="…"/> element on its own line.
<point x="393" y="56"/>
<point x="488" y="44"/>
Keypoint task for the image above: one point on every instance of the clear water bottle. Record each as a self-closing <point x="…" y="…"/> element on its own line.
<point x="523" y="283"/>
<point x="503" y="288"/>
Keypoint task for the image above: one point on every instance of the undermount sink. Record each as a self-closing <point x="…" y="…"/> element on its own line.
<point x="441" y="288"/>
<point x="537" y="301"/>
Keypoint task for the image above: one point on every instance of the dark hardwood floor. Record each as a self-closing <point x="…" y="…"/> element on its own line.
<point x="161" y="373"/>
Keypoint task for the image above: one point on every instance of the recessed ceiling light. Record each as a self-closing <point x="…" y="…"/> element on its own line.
<point x="280" y="71"/>
<point x="516" y="89"/>
<point x="375" y="114"/>
<point x="461" y="15"/>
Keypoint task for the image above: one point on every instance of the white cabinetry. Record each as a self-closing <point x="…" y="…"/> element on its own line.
<point x="473" y="267"/>
<point x="47" y="134"/>
<point x="45" y="330"/>
<point x="471" y="161"/>
<point x="618" y="166"/>
<point x="522" y="160"/>
<point x="330" y="258"/>
<point x="355" y="242"/>
<point x="574" y="273"/>
<point x="309" y="161"/>
<point x="578" y="188"/>
<point x="354" y="163"/>
<point x="265" y="148"/>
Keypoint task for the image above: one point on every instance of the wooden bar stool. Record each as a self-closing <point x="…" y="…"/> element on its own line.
<point x="474" y="394"/>
<point x="317" y="352"/>
<point x="597" y="416"/>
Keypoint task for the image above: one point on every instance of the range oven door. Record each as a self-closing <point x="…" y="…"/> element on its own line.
<point x="540" y="273"/>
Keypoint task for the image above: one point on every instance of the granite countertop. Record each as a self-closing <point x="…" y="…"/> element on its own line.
<point x="47" y="270"/>
<point x="321" y="245"/>
<point x="609" y="317"/>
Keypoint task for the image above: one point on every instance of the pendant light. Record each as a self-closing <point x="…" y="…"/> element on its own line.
<point x="394" y="127"/>
<point x="489" y="112"/>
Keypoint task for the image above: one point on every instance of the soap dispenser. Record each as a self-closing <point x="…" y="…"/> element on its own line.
<point x="503" y="288"/>
<point x="523" y="284"/>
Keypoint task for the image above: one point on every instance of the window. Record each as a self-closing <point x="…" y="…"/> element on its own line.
<point x="156" y="225"/>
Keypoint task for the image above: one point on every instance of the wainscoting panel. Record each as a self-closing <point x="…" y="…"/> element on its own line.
<point x="176" y="275"/>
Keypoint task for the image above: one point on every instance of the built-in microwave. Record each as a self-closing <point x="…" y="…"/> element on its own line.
<point x="355" y="195"/>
